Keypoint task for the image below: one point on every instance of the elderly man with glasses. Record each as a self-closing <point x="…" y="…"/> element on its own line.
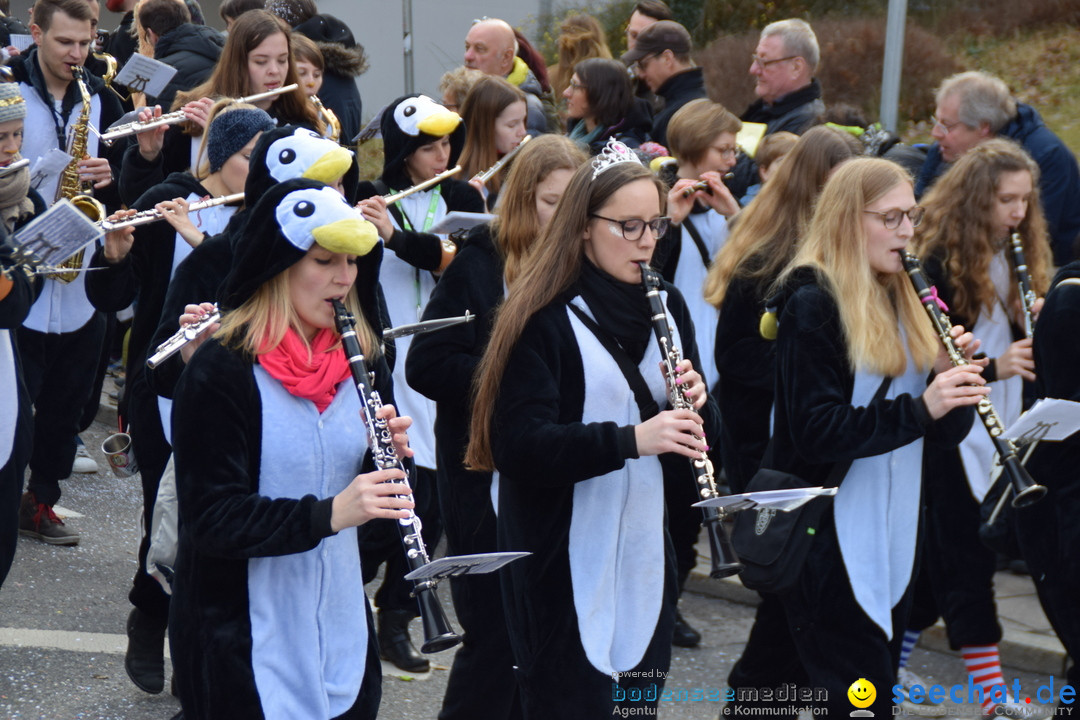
<point x="783" y="65"/>
<point x="976" y="106"/>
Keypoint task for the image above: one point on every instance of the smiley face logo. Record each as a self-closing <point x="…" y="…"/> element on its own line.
<point x="862" y="693"/>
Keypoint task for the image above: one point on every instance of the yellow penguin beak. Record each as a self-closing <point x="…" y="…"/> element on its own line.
<point x="331" y="166"/>
<point x="351" y="236"/>
<point x="440" y="123"/>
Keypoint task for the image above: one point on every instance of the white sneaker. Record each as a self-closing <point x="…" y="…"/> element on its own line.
<point x="83" y="462"/>
<point x="906" y="679"/>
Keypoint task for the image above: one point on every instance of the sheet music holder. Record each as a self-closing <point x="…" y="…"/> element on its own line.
<point x="784" y="500"/>
<point x="55" y="235"/>
<point x="457" y="221"/>
<point x="458" y="565"/>
<point x="1049" y="419"/>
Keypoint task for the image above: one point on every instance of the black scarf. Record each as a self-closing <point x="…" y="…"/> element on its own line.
<point x="620" y="308"/>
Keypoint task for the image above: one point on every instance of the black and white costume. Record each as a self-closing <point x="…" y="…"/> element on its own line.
<point x="441" y="366"/>
<point x="849" y="608"/>
<point x="407" y="277"/>
<point x="269" y="617"/>
<point x="61" y="339"/>
<point x="597" y="596"/>
<point x="1047" y="530"/>
<point x="145" y="274"/>
<point x="16" y="418"/>
<point x="280" y="154"/>
<point x="959" y="568"/>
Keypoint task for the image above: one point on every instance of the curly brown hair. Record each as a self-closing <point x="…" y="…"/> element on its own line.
<point x="959" y="225"/>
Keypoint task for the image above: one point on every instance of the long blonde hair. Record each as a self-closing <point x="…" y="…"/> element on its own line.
<point x="873" y="308"/>
<point x="552" y="268"/>
<point x="764" y="239"/>
<point x="260" y="323"/>
<point x="959" y="221"/>
<point x="516" y="225"/>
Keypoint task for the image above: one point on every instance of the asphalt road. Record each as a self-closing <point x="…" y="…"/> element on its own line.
<point x="62" y="615"/>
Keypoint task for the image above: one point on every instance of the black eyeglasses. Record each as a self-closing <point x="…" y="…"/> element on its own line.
<point x="762" y="63"/>
<point x="891" y="219"/>
<point x="634" y="228"/>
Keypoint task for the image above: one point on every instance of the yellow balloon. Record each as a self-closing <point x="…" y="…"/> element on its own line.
<point x="862" y="693"/>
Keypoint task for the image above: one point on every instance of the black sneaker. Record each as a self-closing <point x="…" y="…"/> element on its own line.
<point x="684" y="635"/>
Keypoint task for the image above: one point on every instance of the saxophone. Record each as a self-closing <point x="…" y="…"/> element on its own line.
<point x="333" y="125"/>
<point x="70" y="186"/>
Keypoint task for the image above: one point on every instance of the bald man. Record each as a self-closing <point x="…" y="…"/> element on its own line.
<point x="491" y="48"/>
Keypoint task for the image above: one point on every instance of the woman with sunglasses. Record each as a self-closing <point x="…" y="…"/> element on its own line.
<point x="569" y="412"/>
<point x="990" y="193"/>
<point x="854" y="351"/>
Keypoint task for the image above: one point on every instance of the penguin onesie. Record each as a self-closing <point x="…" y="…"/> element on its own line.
<point x="280" y="154"/>
<point x="144" y="274"/>
<point x="591" y="612"/>
<point x="408" y="278"/>
<point x="269" y="617"/>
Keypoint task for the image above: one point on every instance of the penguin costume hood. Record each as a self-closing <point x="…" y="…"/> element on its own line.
<point x="291" y="152"/>
<point x="288" y="152"/>
<point x="284" y="224"/>
<point x="410" y="122"/>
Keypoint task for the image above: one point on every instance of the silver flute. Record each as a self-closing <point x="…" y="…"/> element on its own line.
<point x="181" y="338"/>
<point x="484" y="176"/>
<point x="425" y="326"/>
<point x="177" y="116"/>
<point x="152" y="215"/>
<point x="17" y="165"/>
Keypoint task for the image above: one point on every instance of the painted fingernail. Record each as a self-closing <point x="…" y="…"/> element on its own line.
<point x="678" y="381"/>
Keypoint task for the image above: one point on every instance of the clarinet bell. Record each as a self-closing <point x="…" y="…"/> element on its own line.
<point x="725" y="562"/>
<point x="1025" y="490"/>
<point x="438" y="635"/>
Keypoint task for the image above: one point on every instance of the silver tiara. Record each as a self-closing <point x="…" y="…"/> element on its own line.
<point x="613" y="153"/>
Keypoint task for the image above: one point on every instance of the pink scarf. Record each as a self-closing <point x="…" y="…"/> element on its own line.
<point x="313" y="376"/>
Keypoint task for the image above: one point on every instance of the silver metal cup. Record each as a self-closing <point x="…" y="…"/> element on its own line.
<point x="117" y="447"/>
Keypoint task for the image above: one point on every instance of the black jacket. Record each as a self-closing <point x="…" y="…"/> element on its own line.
<point x="441" y="366"/>
<point x="144" y="273"/>
<point x="1059" y="180"/>
<point x="815" y="426"/>
<point x="194" y="51"/>
<point x="676" y="92"/>
<point x="344" y="60"/>
<point x="796" y="112"/>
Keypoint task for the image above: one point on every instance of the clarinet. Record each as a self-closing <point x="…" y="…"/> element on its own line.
<point x="1026" y="490"/>
<point x="1023" y="282"/>
<point x="437" y="632"/>
<point x="724" y="560"/>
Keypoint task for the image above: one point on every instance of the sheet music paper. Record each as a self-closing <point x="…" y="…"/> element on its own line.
<point x="49" y="165"/>
<point x="457" y="220"/>
<point x="784" y="500"/>
<point x="1049" y="419"/>
<point x="21" y="42"/>
<point x="146" y="75"/>
<point x="57" y="234"/>
<point x="464" y="565"/>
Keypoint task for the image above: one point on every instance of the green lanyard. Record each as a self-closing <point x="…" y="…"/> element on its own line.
<point x="433" y="208"/>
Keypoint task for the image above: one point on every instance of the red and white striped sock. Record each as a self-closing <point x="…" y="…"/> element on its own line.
<point x="984" y="666"/>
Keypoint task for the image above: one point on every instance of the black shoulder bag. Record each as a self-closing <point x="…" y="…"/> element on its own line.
<point x="772" y="544"/>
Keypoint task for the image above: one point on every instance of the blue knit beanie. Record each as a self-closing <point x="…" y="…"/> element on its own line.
<point x="231" y="131"/>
